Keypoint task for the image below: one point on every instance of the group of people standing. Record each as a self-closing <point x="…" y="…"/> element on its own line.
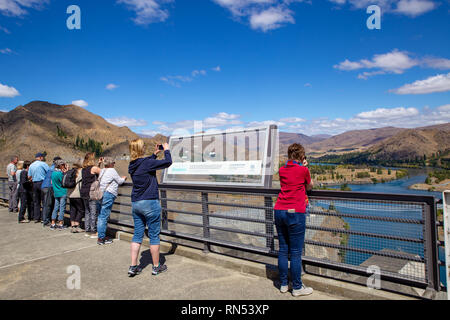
<point x="44" y="195"/>
<point x="37" y="181"/>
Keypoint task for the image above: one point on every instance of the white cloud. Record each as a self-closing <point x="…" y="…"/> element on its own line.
<point x="292" y="120"/>
<point x="8" y="92"/>
<point x="272" y="18"/>
<point x="392" y="62"/>
<point x="6" y="50"/>
<point x="176" y="81"/>
<point x="127" y="122"/>
<point x="414" y="8"/>
<point x="265" y="123"/>
<point x="411" y="8"/>
<point x="396" y="62"/>
<point x="217" y="69"/>
<point x="80" y="103"/>
<point x="438" y="83"/>
<point x="19" y="8"/>
<point x="383" y="113"/>
<point x="111" y="86"/>
<point x="4" y="30"/>
<point x="437" y="63"/>
<point x="400" y="117"/>
<point x="262" y="15"/>
<point x="147" y="11"/>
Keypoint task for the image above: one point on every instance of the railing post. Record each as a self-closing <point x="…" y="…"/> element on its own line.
<point x="268" y="203"/>
<point x="206" y="231"/>
<point x="431" y="254"/>
<point x="164" y="215"/>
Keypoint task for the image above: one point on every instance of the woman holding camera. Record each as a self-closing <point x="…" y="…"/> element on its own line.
<point x="146" y="208"/>
<point x="290" y="218"/>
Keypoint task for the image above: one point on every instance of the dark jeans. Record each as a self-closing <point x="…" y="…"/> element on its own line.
<point x="49" y="202"/>
<point x="291" y="236"/>
<point x="38" y="196"/>
<point x="26" y="203"/>
<point x="77" y="209"/>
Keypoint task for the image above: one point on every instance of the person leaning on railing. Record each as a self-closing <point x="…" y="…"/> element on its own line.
<point x="290" y="218"/>
<point x="146" y="208"/>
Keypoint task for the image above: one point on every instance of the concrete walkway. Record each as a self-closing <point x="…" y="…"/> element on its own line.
<point x="34" y="262"/>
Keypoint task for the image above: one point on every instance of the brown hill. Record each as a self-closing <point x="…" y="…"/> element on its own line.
<point x="42" y="126"/>
<point x="355" y="140"/>
<point x="412" y="143"/>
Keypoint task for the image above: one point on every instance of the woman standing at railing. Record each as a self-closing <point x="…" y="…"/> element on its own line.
<point x="146" y="208"/>
<point x="290" y="218"/>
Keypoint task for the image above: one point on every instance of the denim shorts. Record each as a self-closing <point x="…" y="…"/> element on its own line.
<point x="146" y="213"/>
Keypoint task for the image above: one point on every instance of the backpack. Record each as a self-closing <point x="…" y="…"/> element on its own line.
<point x="95" y="193"/>
<point x="69" y="179"/>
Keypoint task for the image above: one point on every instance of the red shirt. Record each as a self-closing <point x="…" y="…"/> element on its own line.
<point x="293" y="181"/>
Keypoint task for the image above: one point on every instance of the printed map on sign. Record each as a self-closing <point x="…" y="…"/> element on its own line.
<point x="240" y="157"/>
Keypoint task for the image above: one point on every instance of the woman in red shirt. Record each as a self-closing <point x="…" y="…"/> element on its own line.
<point x="290" y="218"/>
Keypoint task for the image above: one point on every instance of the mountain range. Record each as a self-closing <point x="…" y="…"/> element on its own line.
<point x="69" y="131"/>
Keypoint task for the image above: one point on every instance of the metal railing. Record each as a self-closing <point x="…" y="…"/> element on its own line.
<point x="345" y="231"/>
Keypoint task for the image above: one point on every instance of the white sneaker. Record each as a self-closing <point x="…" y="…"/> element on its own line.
<point x="94" y="236"/>
<point x="284" y="289"/>
<point x="304" y="291"/>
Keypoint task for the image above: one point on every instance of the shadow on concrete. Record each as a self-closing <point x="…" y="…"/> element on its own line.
<point x="146" y="257"/>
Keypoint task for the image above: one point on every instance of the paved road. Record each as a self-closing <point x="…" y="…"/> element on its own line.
<point x="34" y="262"/>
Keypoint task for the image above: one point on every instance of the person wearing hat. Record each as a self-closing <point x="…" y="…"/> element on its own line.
<point x="47" y="191"/>
<point x="109" y="184"/>
<point x="60" y="194"/>
<point x="37" y="172"/>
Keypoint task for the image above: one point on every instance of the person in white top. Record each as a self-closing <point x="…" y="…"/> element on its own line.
<point x="109" y="184"/>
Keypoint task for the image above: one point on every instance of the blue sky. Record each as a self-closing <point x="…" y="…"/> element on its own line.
<point x="310" y="66"/>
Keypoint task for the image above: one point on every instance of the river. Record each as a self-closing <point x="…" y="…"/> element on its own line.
<point x="400" y="186"/>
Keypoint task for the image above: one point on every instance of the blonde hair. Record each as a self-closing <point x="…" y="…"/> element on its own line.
<point x="20" y="165"/>
<point x="136" y="149"/>
<point x="89" y="160"/>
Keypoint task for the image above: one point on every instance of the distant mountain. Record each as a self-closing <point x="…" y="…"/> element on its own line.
<point x="355" y="140"/>
<point x="289" y="138"/>
<point x="413" y="143"/>
<point x="57" y="129"/>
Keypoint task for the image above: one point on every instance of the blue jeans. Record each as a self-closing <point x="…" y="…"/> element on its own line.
<point x="60" y="205"/>
<point x="147" y="212"/>
<point x="291" y="236"/>
<point x="105" y="211"/>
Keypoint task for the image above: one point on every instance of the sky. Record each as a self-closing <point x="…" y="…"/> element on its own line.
<point x="161" y="66"/>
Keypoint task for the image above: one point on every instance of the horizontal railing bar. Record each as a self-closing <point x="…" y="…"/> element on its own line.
<point x="368" y="217"/>
<point x="123" y="204"/>
<point x="229" y="244"/>
<point x="367" y="251"/>
<point x="314" y="193"/>
<point x="251" y="233"/>
<point x="237" y="205"/>
<point x="182" y="212"/>
<point x="182" y="201"/>
<point x="219" y="216"/>
<point x="193" y="224"/>
<point x="366" y="234"/>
